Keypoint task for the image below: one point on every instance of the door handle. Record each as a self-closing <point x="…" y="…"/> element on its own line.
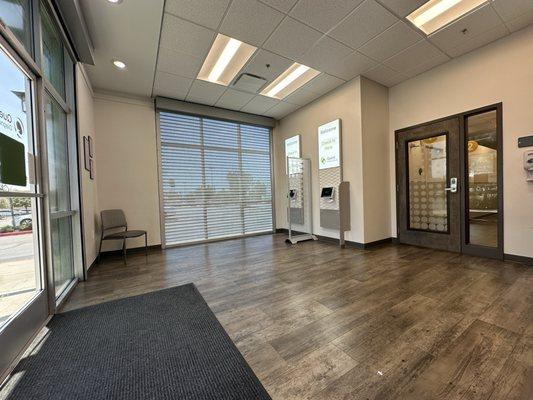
<point x="453" y="186"/>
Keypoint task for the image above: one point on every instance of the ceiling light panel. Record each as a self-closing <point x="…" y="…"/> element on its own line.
<point x="438" y="13"/>
<point x="293" y="78"/>
<point x="225" y="59"/>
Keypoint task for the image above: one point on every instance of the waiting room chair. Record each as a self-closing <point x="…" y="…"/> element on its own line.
<point x="115" y="227"/>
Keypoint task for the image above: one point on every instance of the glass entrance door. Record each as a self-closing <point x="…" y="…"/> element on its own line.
<point x="449" y="179"/>
<point x="428" y="178"/>
<point x="23" y="294"/>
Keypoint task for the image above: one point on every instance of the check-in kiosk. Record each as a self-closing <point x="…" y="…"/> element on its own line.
<point x="334" y="192"/>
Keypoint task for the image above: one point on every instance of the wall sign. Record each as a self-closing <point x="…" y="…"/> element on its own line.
<point x="329" y="145"/>
<point x="292" y="147"/>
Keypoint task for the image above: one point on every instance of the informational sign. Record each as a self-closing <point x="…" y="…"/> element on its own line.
<point x="12" y="123"/>
<point x="329" y="145"/>
<point x="292" y="147"/>
<point x="292" y="150"/>
<point x="12" y="147"/>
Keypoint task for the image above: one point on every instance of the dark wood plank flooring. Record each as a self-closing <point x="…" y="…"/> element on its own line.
<point x="318" y="322"/>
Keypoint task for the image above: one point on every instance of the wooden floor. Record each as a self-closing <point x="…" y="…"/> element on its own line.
<point x="318" y="322"/>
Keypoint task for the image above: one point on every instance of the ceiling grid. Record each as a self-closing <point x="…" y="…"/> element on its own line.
<point x="342" y="39"/>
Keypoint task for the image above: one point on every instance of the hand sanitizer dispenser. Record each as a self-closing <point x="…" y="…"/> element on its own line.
<point x="528" y="165"/>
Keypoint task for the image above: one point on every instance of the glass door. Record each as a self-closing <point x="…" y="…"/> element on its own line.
<point x="483" y="176"/>
<point x="428" y="172"/>
<point x="449" y="179"/>
<point x="23" y="294"/>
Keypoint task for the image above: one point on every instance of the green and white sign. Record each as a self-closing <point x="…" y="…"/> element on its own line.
<point x="329" y="145"/>
<point x="292" y="147"/>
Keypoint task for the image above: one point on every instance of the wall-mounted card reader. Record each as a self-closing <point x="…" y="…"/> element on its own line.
<point x="528" y="165"/>
<point x="328" y="193"/>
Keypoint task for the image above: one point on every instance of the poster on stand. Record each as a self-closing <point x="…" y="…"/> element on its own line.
<point x="292" y="147"/>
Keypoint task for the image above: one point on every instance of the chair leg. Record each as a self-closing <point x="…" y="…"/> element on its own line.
<point x="124" y="250"/>
<point x="146" y="243"/>
<point x="100" y="250"/>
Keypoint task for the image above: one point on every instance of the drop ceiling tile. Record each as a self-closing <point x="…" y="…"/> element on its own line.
<point x="402" y="8"/>
<point x="520" y="22"/>
<point x="186" y="37"/>
<point x="178" y="63"/>
<point x="170" y="85"/>
<point x="234" y="99"/>
<point x="325" y="53"/>
<point x="426" y="65"/>
<point x="323" y="83"/>
<point x="512" y="9"/>
<point x="396" y="38"/>
<point x="250" y="21"/>
<point x="292" y="39"/>
<point x="205" y="92"/>
<point x="352" y="65"/>
<point x="476" y="22"/>
<point x="365" y="22"/>
<point x="479" y="40"/>
<point x="260" y="105"/>
<point x="385" y="76"/>
<point x="208" y="13"/>
<point x="323" y="15"/>
<point x="301" y="97"/>
<point x="282" y="5"/>
<point x="281" y="109"/>
<point x="258" y="65"/>
<point x="412" y="57"/>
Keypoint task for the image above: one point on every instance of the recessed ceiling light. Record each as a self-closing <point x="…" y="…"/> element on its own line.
<point x="225" y="59"/>
<point x="115" y="1"/>
<point x="437" y="13"/>
<point x="294" y="77"/>
<point x="119" y="64"/>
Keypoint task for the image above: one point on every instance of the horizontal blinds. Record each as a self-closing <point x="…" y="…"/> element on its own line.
<point x="216" y="178"/>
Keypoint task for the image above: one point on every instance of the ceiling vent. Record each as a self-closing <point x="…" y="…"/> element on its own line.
<point x="249" y="83"/>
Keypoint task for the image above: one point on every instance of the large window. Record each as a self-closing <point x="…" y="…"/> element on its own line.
<point x="216" y="178"/>
<point x="16" y="15"/>
<point x="53" y="53"/>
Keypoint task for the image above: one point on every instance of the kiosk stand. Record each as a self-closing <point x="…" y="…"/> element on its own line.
<point x="299" y="205"/>
<point x="334" y="193"/>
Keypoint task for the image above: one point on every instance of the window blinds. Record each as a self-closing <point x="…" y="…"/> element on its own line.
<point x="216" y="178"/>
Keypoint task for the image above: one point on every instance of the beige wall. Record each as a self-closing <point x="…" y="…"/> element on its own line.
<point x="85" y="114"/>
<point x="127" y="166"/>
<point x="362" y="107"/>
<point x="376" y="197"/>
<point x="500" y="72"/>
<point x="343" y="103"/>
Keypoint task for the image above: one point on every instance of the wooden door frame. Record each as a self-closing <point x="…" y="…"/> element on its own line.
<point x="466" y="248"/>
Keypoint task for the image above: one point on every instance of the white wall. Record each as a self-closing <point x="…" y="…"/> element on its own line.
<point x="85" y="114"/>
<point x="500" y="72"/>
<point x="126" y="158"/>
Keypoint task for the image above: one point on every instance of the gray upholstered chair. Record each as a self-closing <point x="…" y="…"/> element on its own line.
<point x="115" y="227"/>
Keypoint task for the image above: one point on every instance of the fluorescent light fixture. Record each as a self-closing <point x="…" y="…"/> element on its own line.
<point x="438" y="13"/>
<point x="119" y="64"/>
<point x="225" y="59"/>
<point x="293" y="78"/>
